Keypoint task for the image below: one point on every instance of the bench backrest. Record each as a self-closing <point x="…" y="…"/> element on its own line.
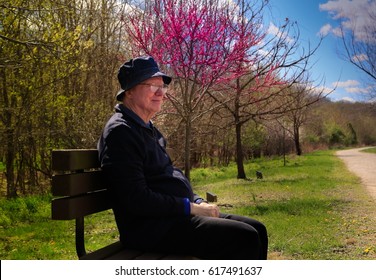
<point x="78" y="184"/>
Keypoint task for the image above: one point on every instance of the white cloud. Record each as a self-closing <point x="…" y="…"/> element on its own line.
<point x="357" y="90"/>
<point x="328" y="28"/>
<point x="352" y="86"/>
<point x="275" y="31"/>
<point x="345" y="84"/>
<point x="322" y="90"/>
<point x="262" y="53"/>
<point x="353" y="15"/>
<point x="337" y="32"/>
<point x="325" y="30"/>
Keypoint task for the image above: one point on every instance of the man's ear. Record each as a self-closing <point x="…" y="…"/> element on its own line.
<point x="128" y="93"/>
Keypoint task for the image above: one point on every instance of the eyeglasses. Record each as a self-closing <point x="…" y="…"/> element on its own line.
<point x="155" y="88"/>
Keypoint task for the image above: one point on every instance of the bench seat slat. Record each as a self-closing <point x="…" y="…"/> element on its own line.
<point x="68" y="208"/>
<point x="116" y="251"/>
<point x="77" y="183"/>
<point x="113" y="251"/>
<point x="163" y="256"/>
<point x="126" y="254"/>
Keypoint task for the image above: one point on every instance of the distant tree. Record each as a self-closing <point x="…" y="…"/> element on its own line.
<point x="26" y="49"/>
<point x="341" y="123"/>
<point x="300" y="98"/>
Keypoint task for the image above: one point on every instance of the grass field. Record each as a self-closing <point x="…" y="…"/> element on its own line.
<point x="370" y="150"/>
<point x="313" y="209"/>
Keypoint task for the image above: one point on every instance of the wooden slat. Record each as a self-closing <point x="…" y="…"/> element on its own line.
<point x="163" y="256"/>
<point x="68" y="208"/>
<point x="116" y="251"/>
<point x="68" y="160"/>
<point x="77" y="183"/>
<point x="113" y="251"/>
<point x="125" y="254"/>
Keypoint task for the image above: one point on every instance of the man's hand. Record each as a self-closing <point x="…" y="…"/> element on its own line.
<point x="205" y="209"/>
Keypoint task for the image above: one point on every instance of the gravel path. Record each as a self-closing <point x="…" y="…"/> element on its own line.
<point x="363" y="165"/>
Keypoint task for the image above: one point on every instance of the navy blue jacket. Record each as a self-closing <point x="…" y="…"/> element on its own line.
<point x="148" y="193"/>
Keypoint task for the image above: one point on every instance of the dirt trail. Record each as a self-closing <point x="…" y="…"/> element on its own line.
<point x="363" y="165"/>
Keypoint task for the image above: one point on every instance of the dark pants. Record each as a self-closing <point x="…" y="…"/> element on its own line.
<point x="229" y="237"/>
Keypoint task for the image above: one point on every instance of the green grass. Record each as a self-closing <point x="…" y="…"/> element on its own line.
<point x="313" y="209"/>
<point x="370" y="150"/>
<point x="27" y="231"/>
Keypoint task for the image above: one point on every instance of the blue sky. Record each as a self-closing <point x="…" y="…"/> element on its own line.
<point x="316" y="17"/>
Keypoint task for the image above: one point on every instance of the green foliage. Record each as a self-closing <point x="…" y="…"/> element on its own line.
<point x="58" y="86"/>
<point x="353" y="138"/>
<point x="253" y="138"/>
<point x="337" y="137"/>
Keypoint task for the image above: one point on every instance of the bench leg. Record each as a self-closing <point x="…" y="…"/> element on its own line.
<point x="80" y="239"/>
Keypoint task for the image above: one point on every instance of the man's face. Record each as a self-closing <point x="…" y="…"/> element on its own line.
<point x="146" y="98"/>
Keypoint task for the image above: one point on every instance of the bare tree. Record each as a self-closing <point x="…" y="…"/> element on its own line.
<point x="301" y="97"/>
<point x="360" y="48"/>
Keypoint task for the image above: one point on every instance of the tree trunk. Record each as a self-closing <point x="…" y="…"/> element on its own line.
<point x="187" y="149"/>
<point x="239" y="151"/>
<point x="298" y="147"/>
<point x="9" y="163"/>
<point x="238" y="132"/>
<point x="9" y="139"/>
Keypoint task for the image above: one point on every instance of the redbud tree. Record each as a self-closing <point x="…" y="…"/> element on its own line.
<point x="200" y="43"/>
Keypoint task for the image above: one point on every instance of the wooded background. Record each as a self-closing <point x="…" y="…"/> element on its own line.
<point x="238" y="92"/>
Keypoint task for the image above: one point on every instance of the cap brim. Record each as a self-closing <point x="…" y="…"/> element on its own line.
<point x="166" y="79"/>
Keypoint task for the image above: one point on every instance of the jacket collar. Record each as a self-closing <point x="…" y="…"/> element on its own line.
<point x="120" y="108"/>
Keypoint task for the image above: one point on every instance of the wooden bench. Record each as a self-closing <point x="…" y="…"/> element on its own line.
<point x="80" y="190"/>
